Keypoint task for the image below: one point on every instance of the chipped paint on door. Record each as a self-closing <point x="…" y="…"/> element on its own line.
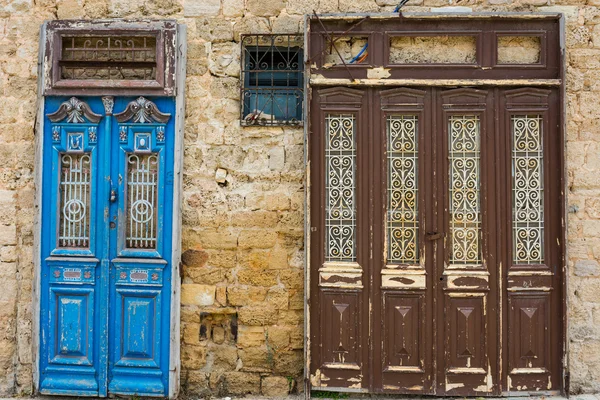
<point x="107" y="218"/>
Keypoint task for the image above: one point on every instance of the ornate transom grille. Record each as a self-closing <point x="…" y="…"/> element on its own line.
<point x="463" y="156"/>
<point x="272" y="80"/>
<point x="74" y="230"/>
<point x="528" y="190"/>
<point x="402" y="223"/>
<point x="142" y="203"/>
<point x="340" y="214"/>
<point x="108" y="57"/>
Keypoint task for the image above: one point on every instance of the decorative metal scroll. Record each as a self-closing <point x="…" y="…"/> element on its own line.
<point x="142" y="111"/>
<point x="108" y="58"/>
<point x="403" y="222"/>
<point x="528" y="190"/>
<point x="74" y="111"/>
<point x="142" y="200"/>
<point x="463" y="156"/>
<point x="75" y="178"/>
<point x="272" y="72"/>
<point x="340" y="214"/>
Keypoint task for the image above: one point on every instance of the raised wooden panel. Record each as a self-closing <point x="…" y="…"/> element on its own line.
<point x="71" y="326"/>
<point x="466" y="333"/>
<point x="402" y="332"/>
<point x="340" y="323"/>
<point x="528" y="333"/>
<point x="138" y="321"/>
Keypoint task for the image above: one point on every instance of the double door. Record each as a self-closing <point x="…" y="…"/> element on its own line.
<point x="106" y="229"/>
<point x="435" y="237"/>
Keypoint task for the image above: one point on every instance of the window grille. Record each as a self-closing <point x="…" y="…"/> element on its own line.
<point x="110" y="58"/>
<point x="272" y="80"/>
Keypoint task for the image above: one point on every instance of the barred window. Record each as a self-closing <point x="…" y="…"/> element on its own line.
<point x="272" y="80"/>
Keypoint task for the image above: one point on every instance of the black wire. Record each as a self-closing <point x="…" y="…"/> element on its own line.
<point x="400" y="5"/>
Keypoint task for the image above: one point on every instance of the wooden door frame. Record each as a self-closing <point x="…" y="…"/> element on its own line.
<point x="316" y="77"/>
<point x="175" y="309"/>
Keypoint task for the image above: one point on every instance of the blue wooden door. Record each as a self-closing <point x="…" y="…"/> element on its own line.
<point x="107" y="221"/>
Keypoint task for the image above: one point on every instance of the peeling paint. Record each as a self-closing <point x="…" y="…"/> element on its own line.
<point x="378" y="73"/>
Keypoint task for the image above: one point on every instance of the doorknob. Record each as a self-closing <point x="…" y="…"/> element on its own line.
<point x="434" y="235"/>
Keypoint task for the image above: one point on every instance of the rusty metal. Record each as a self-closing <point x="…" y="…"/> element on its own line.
<point x="441" y="324"/>
<point x="333" y="44"/>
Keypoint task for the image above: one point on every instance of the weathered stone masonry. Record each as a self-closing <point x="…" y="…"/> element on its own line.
<point x="242" y="292"/>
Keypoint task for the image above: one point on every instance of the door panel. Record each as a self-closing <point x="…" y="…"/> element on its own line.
<point x="107" y="200"/>
<point x="461" y="283"/>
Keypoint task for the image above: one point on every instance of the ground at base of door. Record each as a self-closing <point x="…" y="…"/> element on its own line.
<point x="340" y="396"/>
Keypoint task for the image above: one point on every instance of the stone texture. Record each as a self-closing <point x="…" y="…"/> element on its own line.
<point x="243" y="278"/>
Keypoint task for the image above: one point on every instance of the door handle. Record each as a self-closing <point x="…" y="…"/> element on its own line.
<point x="434" y="235"/>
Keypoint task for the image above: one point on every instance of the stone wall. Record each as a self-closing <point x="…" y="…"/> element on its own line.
<point x="242" y="292"/>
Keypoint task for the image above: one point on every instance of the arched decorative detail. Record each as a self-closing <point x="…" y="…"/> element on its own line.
<point x="74" y="111"/>
<point x="142" y="111"/>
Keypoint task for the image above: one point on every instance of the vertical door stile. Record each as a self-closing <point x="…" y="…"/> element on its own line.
<point x="105" y="210"/>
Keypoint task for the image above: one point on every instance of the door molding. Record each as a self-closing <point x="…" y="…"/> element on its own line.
<point x="372" y="74"/>
<point x="179" y="68"/>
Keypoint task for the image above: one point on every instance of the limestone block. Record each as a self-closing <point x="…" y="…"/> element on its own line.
<point x="218" y="335"/>
<point x="289" y="363"/>
<point x="215" y="29"/>
<point x="263" y="8"/>
<point x="286" y="23"/>
<point x="69" y="9"/>
<point x="250" y="336"/>
<point x="193" y="357"/>
<point x="257" y="239"/>
<point x="276" y="158"/>
<point x="233" y="8"/>
<point x="589" y="291"/>
<point x="218" y="240"/>
<point x="587" y="268"/>
<point x="241" y="296"/>
<point x="278" y="337"/>
<point x="191" y="333"/>
<point x="224" y="59"/>
<point x="252" y="276"/>
<point x="241" y="383"/>
<point x="275" y="386"/>
<point x="278" y="297"/>
<point x="257" y="315"/>
<point x="194" y="258"/>
<point x="256" y="359"/>
<point x="250" y="24"/>
<point x="199" y="295"/>
<point x="197" y="8"/>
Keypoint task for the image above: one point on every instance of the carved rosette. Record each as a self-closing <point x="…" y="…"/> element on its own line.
<point x="74" y="111"/>
<point x="142" y="111"/>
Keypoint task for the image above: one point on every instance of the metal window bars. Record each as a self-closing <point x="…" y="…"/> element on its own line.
<point x="272" y="80"/>
<point x="108" y="57"/>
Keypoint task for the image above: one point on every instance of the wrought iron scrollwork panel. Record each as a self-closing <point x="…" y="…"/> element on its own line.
<point x="528" y="189"/>
<point x="75" y="188"/>
<point x="142" y="201"/>
<point x="402" y="212"/>
<point x="464" y="189"/>
<point x="340" y="164"/>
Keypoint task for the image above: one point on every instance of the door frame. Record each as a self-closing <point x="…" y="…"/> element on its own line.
<point x="44" y="64"/>
<point x="316" y="76"/>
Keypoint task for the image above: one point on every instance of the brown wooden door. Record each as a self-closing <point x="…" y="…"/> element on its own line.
<point x="435" y="265"/>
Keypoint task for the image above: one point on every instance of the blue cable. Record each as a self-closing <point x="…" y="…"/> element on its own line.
<point x="360" y="53"/>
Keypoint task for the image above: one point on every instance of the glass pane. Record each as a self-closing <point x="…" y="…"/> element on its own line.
<point x="402" y="218"/>
<point x="528" y="190"/>
<point x="340" y="214"/>
<point x="142" y="201"/>
<point x="75" y="179"/>
<point x="463" y="157"/>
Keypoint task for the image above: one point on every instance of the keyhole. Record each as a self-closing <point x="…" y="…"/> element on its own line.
<point x="112" y="225"/>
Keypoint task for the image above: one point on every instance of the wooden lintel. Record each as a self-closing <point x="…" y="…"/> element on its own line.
<point x="316" y="80"/>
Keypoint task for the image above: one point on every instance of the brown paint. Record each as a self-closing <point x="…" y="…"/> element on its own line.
<point x="509" y="318"/>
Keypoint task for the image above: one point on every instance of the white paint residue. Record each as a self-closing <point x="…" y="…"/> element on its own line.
<point x="378" y="73"/>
